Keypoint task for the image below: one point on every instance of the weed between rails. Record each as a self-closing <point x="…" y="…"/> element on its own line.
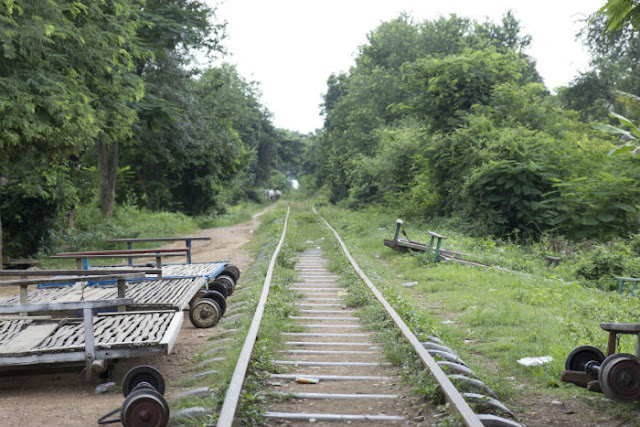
<point x="280" y="306"/>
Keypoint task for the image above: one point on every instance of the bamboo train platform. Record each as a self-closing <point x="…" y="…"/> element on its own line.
<point x="59" y="321"/>
<point x="178" y="286"/>
<point x="26" y="341"/>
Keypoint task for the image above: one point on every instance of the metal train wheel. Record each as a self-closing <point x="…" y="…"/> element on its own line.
<point x="217" y="286"/>
<point x="619" y="377"/>
<point x="232" y="270"/>
<point x="579" y="356"/>
<point x="227" y="282"/>
<point x="143" y="375"/>
<point x="219" y="298"/>
<point x="205" y="313"/>
<point x="144" y="408"/>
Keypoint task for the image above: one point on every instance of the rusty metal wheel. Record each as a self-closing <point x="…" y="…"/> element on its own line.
<point x="217" y="286"/>
<point x="205" y="313"/>
<point x="219" y="298"/>
<point x="227" y="282"/>
<point x="233" y="271"/>
<point x="144" y="407"/>
<point x="143" y="375"/>
<point x="619" y="377"/>
<point x="579" y="356"/>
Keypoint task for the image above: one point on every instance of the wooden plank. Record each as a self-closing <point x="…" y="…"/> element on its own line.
<point x="580" y="378"/>
<point x="148" y="255"/>
<point x="93" y="271"/>
<point x="29" y="337"/>
<point x="171" y="333"/>
<point x="439" y="236"/>
<point x="122" y="252"/>
<point x="154" y="239"/>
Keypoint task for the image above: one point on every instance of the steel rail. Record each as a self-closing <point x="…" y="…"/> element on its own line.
<point x="237" y="379"/>
<point x="452" y="394"/>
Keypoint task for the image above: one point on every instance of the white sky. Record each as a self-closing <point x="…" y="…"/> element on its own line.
<point x="292" y="46"/>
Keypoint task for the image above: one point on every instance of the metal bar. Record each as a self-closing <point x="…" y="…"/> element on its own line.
<point x="78" y="272"/>
<point x="307" y="363"/>
<point x="127" y="276"/>
<point x="437" y="253"/>
<point x="319" y="334"/>
<point x="469" y="418"/>
<point x="341" y="396"/>
<point x="331" y="377"/>
<point x="232" y="396"/>
<point x="329" y="344"/>
<point x="327" y="352"/>
<point x="398" y="225"/>
<point x="332" y="417"/>
<point x="188" y="242"/>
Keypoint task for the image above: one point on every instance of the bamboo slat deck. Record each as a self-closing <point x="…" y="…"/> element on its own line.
<point x="173" y="294"/>
<point x="31" y="341"/>
<point x="22" y="341"/>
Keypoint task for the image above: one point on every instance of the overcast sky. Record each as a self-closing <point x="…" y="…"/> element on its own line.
<point x="292" y="46"/>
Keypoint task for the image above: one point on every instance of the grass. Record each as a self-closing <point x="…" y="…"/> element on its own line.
<point x="261" y="246"/>
<point x="492" y="318"/>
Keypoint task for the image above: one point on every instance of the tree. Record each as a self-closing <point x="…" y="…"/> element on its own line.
<point x="172" y="30"/>
<point x="64" y="83"/>
<point x="620" y="13"/>
<point x="444" y="89"/>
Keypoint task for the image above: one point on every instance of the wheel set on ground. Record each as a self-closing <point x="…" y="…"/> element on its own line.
<point x="616" y="375"/>
<point x="144" y="405"/>
<point x="209" y="305"/>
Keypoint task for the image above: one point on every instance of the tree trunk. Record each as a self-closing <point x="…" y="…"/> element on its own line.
<point x="108" y="167"/>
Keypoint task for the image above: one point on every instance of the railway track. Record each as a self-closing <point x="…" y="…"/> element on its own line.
<point x="336" y="373"/>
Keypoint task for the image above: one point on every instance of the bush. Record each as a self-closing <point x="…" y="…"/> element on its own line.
<point x="607" y="262"/>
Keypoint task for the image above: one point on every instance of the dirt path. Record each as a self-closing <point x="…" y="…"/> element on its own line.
<point x="48" y="399"/>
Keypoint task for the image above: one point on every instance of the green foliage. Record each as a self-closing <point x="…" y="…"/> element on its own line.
<point x="495" y="317"/>
<point x="65" y="75"/>
<point x="620" y="13"/>
<point x="409" y="75"/>
<point x="466" y="129"/>
<point x="606" y="262"/>
<point x="445" y="88"/>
